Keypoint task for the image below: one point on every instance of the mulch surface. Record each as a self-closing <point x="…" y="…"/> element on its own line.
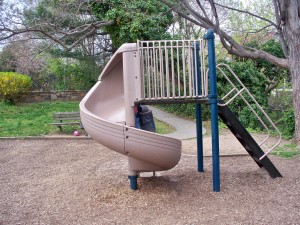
<point x="72" y="181"/>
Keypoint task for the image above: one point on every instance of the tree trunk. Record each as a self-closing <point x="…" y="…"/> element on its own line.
<point x="295" y="73"/>
<point x="292" y="31"/>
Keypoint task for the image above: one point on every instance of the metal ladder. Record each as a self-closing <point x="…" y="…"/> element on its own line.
<point x="239" y="92"/>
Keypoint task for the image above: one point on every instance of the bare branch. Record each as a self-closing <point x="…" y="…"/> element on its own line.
<point x="85" y="31"/>
<point x="247" y="12"/>
<point x="227" y="41"/>
<point x="177" y="9"/>
<point x="259" y="30"/>
<point x="202" y="9"/>
<point x="205" y="21"/>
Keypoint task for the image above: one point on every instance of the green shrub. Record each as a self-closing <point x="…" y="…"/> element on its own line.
<point x="12" y="85"/>
<point x="287" y="125"/>
<point x="281" y="111"/>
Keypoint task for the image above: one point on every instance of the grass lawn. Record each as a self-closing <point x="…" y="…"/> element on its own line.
<point x="34" y="119"/>
<point x="162" y="127"/>
<point x="287" y="151"/>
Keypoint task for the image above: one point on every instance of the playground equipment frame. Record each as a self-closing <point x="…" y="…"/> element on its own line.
<point x="160" y="72"/>
<point x="195" y="88"/>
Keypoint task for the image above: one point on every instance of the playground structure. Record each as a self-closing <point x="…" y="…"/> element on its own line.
<point x="159" y="72"/>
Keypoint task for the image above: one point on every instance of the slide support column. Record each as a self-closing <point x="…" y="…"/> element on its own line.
<point x="133" y="182"/>
<point x="213" y="101"/>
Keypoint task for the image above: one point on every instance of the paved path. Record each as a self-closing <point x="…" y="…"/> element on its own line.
<point x="185" y="129"/>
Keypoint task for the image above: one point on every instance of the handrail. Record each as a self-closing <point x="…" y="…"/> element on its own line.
<point x="239" y="93"/>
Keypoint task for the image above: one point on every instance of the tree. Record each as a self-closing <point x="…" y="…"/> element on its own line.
<point x="66" y="23"/>
<point x="133" y="19"/>
<point x="67" y="27"/>
<point x="70" y="24"/>
<point x="22" y="57"/>
<point x="284" y="22"/>
<point x="274" y="74"/>
<point x="7" y="60"/>
<point x="83" y="28"/>
<point x="72" y="70"/>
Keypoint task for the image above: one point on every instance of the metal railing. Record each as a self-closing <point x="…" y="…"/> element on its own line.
<point x="239" y="91"/>
<point x="170" y="69"/>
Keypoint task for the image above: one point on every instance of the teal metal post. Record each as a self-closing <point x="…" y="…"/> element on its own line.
<point x="199" y="138"/>
<point x="198" y="110"/>
<point x="133" y="182"/>
<point x="213" y="101"/>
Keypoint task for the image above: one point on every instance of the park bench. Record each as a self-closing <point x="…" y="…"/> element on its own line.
<point x="61" y="119"/>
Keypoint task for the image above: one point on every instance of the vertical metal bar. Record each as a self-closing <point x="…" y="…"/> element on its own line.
<point x="193" y="87"/>
<point x="157" y="73"/>
<point x="178" y="69"/>
<point x="189" y="56"/>
<point x="167" y="70"/>
<point x="161" y="67"/>
<point x="142" y="68"/>
<point x="144" y="73"/>
<point x="196" y="68"/>
<point x="203" y="70"/>
<point x="183" y="69"/>
<point x="213" y="101"/>
<point x="152" y="72"/>
<point x="197" y="85"/>
<point x="148" y="73"/>
<point x="200" y="155"/>
<point x="203" y="66"/>
<point x="172" y="67"/>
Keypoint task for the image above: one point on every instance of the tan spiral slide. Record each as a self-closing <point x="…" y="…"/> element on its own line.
<point x="107" y="114"/>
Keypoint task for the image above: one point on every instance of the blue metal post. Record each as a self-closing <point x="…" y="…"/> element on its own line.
<point x="133" y="178"/>
<point x="198" y="111"/>
<point x="199" y="138"/>
<point x="213" y="101"/>
<point x="133" y="182"/>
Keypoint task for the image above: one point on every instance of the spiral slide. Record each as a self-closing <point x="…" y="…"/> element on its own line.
<point x="107" y="114"/>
